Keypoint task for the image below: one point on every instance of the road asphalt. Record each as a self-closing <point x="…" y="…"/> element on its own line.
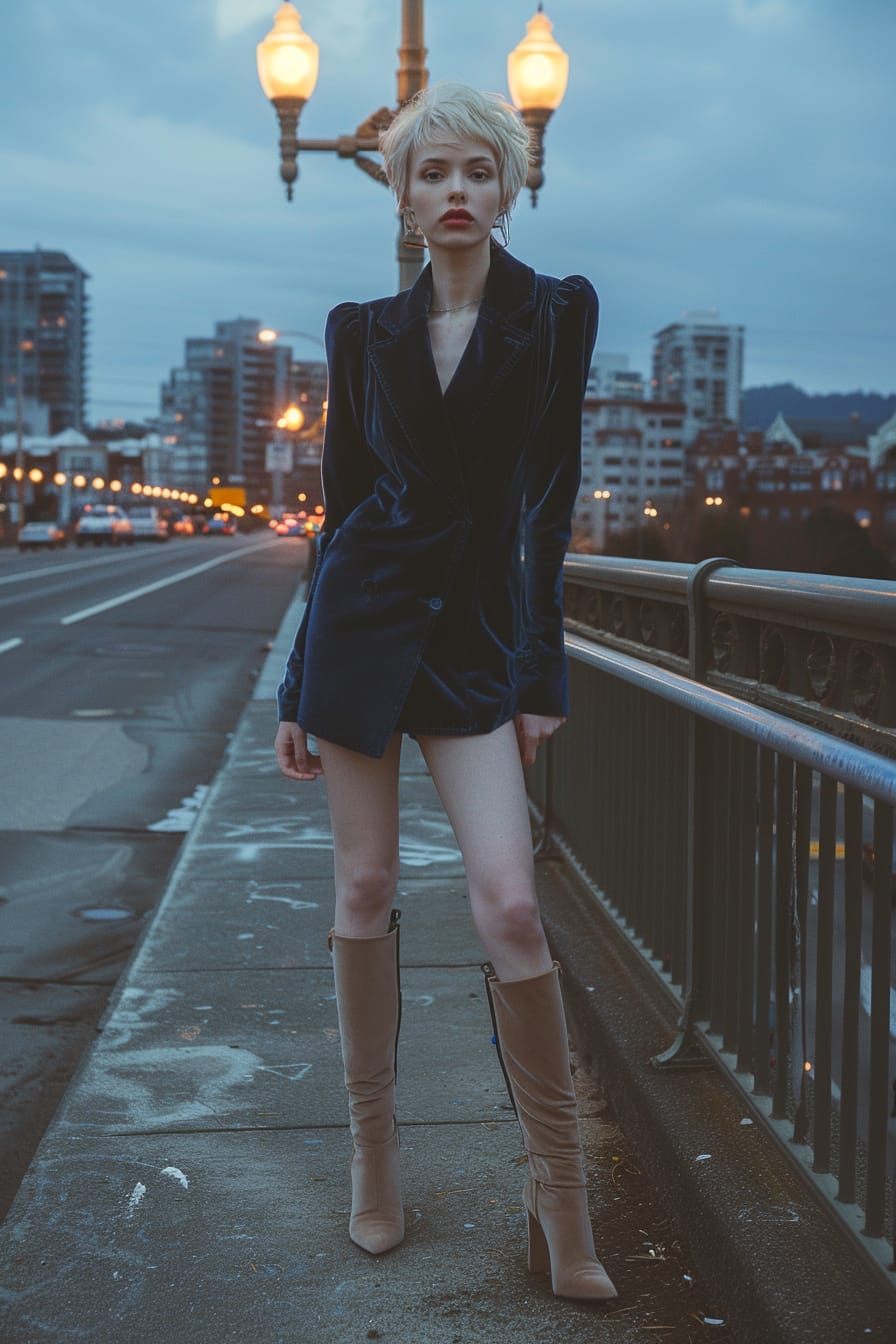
<point x="193" y="1185"/>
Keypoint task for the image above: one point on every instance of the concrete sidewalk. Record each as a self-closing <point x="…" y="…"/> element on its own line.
<point x="193" y="1185"/>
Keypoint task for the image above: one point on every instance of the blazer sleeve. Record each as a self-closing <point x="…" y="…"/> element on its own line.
<point x="553" y="475"/>
<point x="349" y="471"/>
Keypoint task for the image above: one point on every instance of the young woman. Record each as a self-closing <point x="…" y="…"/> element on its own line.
<point x="452" y="445"/>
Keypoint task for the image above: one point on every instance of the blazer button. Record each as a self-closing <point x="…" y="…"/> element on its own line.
<point x="435" y="603"/>
<point x="369" y="586"/>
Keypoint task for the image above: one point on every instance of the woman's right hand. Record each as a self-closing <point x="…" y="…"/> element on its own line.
<point x="293" y="757"/>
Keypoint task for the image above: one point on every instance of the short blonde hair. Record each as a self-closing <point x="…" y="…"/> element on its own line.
<point x="450" y="112"/>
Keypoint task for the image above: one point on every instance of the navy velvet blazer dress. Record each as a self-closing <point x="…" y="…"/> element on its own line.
<point x="435" y="605"/>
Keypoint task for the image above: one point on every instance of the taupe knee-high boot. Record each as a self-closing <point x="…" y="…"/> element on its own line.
<point x="530" y="1031"/>
<point x="368" y="997"/>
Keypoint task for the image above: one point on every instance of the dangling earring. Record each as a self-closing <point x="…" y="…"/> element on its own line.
<point x="502" y="224"/>
<point x="413" y="234"/>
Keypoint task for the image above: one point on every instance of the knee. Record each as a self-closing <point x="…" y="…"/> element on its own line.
<point x="365" y="887"/>
<point x="512" y="915"/>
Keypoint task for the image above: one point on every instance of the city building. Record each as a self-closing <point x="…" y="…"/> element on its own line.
<point x="308" y="380"/>
<point x="610" y="376"/>
<point x="633" y="458"/>
<point x="64" y="472"/>
<point x="43" y="341"/>
<point x="219" y="411"/>
<point x="699" y="362"/>
<point x="779" y="478"/>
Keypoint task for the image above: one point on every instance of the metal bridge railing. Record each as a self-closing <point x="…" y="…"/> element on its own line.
<point x="748" y="852"/>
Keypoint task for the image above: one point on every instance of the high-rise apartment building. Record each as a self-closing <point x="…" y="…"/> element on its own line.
<point x="699" y="361"/>
<point x="43" y="340"/>
<point x="217" y="412"/>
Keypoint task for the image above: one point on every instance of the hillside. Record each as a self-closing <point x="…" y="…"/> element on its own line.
<point x="762" y="404"/>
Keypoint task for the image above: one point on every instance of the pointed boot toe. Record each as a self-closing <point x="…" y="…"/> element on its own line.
<point x="560" y="1241"/>
<point x="377" y="1219"/>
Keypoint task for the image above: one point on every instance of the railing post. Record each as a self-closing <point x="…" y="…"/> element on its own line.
<point x="685" y="1052"/>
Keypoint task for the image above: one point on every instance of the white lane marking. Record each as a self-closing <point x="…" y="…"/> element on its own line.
<point x="85" y="563"/>
<point x="10" y="644"/>
<point x="160" y="583"/>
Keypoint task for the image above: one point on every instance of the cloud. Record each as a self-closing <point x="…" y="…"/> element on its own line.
<point x="765" y="14"/>
<point x="235" y="16"/>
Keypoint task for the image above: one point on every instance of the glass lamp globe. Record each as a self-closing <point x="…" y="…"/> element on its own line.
<point x="538" y="67"/>
<point x="287" y="58"/>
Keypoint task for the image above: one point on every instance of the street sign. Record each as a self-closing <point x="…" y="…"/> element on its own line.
<point x="227" y="494"/>
<point x="278" y="456"/>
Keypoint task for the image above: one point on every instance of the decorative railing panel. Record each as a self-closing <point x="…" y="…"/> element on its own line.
<point x="729" y="794"/>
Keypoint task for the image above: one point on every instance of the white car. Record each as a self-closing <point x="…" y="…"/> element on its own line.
<point x="104" y="524"/>
<point x="148" y="523"/>
<point x="37" y="536"/>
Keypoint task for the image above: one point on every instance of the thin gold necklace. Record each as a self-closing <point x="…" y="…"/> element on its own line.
<point x="459" y="306"/>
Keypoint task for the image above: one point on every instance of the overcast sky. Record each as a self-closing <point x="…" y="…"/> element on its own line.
<point x="733" y="154"/>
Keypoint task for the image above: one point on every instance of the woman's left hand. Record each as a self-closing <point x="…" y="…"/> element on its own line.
<point x="532" y="730"/>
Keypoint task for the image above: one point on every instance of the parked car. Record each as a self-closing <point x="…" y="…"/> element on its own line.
<point x="104" y="524"/>
<point x="148" y="523"/>
<point x="222" y="525"/>
<point x="42" y="536"/>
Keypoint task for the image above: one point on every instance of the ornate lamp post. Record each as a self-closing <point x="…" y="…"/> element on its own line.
<point x="287" y="68"/>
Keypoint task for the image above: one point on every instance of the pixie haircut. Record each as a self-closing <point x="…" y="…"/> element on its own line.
<point x="452" y="112"/>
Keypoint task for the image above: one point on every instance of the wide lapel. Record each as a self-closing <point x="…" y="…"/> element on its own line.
<point x="401" y="358"/>
<point x="502" y="335"/>
<point x="402" y="361"/>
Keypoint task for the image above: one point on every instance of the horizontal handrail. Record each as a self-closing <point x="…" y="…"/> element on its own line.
<point x="864" y="770"/>
<point x="807" y="597"/>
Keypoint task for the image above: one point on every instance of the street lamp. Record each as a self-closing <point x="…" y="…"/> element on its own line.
<point x="603" y="496"/>
<point x="287" y="69"/>
<point x="292" y="419"/>
<point x="268" y="335"/>
<point x="537" y="74"/>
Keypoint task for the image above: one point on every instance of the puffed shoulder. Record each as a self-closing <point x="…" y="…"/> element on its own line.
<point x="343" y="324"/>
<point x="578" y="292"/>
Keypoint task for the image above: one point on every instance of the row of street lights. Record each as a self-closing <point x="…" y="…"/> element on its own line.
<point x="98" y="483"/>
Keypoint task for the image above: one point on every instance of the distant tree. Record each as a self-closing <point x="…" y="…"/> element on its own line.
<point x="582" y="542"/>
<point x="721" y="532"/>
<point x="836" y="544"/>
<point x="639" y="543"/>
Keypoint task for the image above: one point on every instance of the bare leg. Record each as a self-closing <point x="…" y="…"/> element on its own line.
<point x="362" y="795"/>
<point x="480" y="782"/>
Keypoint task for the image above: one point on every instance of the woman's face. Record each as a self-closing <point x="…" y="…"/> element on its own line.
<point x="454" y="192"/>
